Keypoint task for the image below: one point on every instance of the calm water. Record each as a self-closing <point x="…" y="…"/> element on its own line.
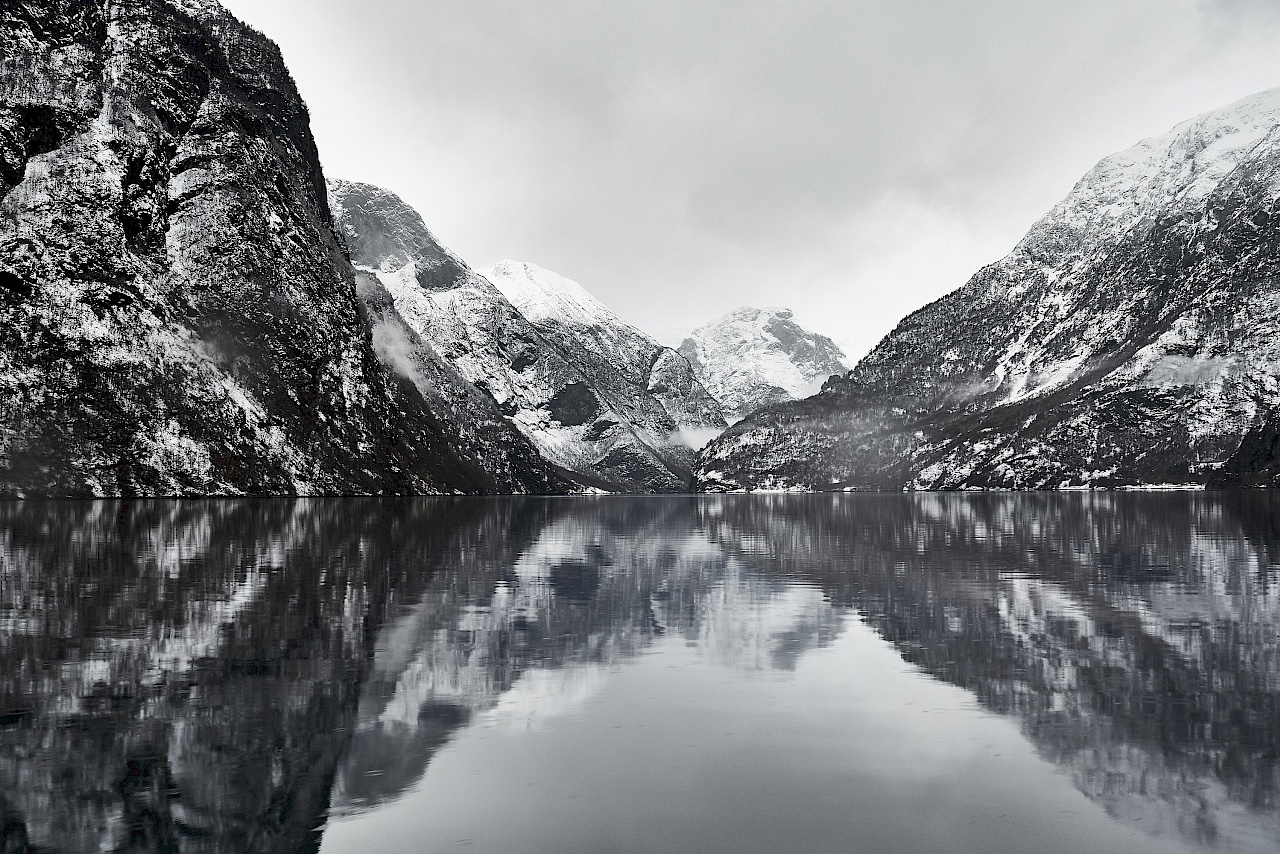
<point x="784" y="674"/>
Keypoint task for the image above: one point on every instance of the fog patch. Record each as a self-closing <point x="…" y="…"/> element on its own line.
<point x="1174" y="371"/>
<point x="400" y="353"/>
<point x="696" y="438"/>
<point x="812" y="387"/>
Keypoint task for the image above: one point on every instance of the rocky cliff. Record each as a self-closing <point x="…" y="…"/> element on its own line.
<point x="756" y="357"/>
<point x="596" y="397"/>
<point x="177" y="315"/>
<point x="1129" y="339"/>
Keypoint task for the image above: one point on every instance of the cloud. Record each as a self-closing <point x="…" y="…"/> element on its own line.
<point x="694" y="437"/>
<point x="850" y="159"/>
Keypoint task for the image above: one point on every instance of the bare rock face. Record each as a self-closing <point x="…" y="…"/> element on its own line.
<point x="756" y="357"/>
<point x="177" y="315"/>
<point x="600" y="400"/>
<point x="1130" y="339"/>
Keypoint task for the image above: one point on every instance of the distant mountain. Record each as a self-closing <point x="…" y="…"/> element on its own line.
<point x="656" y="386"/>
<point x="177" y="316"/>
<point x="607" y="405"/>
<point x="1131" y="338"/>
<point x="756" y="357"/>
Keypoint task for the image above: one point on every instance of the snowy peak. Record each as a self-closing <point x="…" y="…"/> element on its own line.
<point x="755" y="357"/>
<point x="542" y="295"/>
<point x="1164" y="175"/>
<point x="596" y="397"/>
<point x="595" y="338"/>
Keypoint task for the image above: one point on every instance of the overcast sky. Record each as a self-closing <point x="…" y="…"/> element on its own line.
<point x="850" y="159"/>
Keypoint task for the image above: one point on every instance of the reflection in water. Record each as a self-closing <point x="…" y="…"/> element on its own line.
<point x="224" y="675"/>
<point x="533" y="632"/>
<point x="1136" y="636"/>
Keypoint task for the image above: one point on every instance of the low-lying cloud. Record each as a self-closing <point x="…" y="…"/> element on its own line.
<point x="696" y="438"/>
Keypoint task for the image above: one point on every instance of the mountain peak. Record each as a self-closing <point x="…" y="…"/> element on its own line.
<point x="388" y="234"/>
<point x="754" y="357"/>
<point x="597" y="397"/>
<point x="541" y="295"/>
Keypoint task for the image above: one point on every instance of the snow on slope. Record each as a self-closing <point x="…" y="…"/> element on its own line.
<point x="552" y="302"/>
<point x="755" y="357"/>
<point x="542" y="295"/>
<point x="615" y="353"/>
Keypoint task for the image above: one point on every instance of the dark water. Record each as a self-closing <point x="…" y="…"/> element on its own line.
<point x="934" y="673"/>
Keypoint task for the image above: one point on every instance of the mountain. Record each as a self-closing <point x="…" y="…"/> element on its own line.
<point x="657" y="386"/>
<point x="756" y="357"/>
<point x="177" y="315"/>
<point x="1131" y="338"/>
<point x="597" y="398"/>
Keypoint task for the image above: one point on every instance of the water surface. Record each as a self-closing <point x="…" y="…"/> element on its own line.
<point x="859" y="673"/>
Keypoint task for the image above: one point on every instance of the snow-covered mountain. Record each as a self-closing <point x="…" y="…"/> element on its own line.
<point x="177" y="315"/>
<point x="1132" y="337"/>
<point x="596" y="397"/>
<point x="756" y="357"/>
<point x="622" y="360"/>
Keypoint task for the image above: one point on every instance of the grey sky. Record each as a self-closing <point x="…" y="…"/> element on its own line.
<point x="851" y="159"/>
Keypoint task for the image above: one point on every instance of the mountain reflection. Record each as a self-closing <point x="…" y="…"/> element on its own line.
<point x="1136" y="636"/>
<point x="529" y="633"/>
<point x="221" y="676"/>
<point x="182" y="675"/>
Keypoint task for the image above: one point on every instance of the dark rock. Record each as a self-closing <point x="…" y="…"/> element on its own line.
<point x="177" y="315"/>
<point x="574" y="405"/>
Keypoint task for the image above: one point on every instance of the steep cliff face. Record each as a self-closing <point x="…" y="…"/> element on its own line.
<point x="756" y="357"/>
<point x="1129" y="339"/>
<point x="599" y="400"/>
<point x="176" y="313"/>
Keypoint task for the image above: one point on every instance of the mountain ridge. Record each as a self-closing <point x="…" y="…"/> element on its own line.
<point x="602" y="402"/>
<point x="1125" y="341"/>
